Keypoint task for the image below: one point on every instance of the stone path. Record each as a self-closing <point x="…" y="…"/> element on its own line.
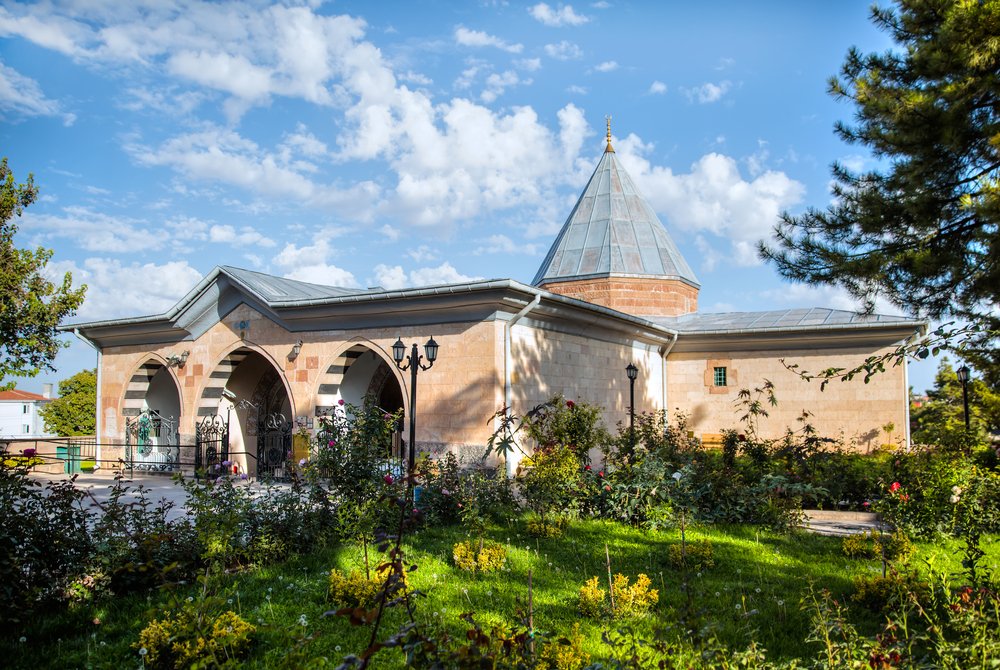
<point x="830" y="522"/>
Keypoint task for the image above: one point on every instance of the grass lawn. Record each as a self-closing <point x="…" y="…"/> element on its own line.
<point x="753" y="591"/>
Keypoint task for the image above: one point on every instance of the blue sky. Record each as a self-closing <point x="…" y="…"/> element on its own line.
<point x="401" y="144"/>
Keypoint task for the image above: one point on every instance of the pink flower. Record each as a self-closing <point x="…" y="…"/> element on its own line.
<point x="332" y="442"/>
<point x="904" y="497"/>
<point x="341" y="402"/>
<point x="388" y="479"/>
<point x="570" y="404"/>
<point x="866" y="504"/>
<point x="895" y="487"/>
<point x="445" y="492"/>
<point x="607" y="487"/>
<point x="601" y="473"/>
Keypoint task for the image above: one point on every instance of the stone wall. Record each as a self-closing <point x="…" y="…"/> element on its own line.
<point x="853" y="410"/>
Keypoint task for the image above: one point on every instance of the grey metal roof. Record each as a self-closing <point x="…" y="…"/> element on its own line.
<point x="612" y="230"/>
<point x="812" y="318"/>
<point x="276" y="289"/>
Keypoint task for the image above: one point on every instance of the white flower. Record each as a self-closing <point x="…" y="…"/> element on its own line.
<point x="954" y="499"/>
<point x="302" y="620"/>
<point x="190" y="599"/>
<point x="337" y="648"/>
<point x="142" y="652"/>
<point x="23" y="639"/>
<point x="957" y="490"/>
<point x="677" y="476"/>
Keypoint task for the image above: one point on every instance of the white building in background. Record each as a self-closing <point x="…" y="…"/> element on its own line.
<point x="19" y="414"/>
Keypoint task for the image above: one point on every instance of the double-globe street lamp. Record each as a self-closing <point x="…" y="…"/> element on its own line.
<point x="963" y="378"/>
<point x="413" y="362"/>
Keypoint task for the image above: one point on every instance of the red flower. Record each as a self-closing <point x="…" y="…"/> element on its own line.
<point x="570" y="404"/>
<point x="601" y="473"/>
<point x="607" y="487"/>
<point x="587" y="468"/>
<point x="388" y="479"/>
<point x="895" y="487"/>
<point x="865" y="504"/>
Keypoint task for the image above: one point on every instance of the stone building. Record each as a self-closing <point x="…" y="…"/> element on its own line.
<point x="243" y="347"/>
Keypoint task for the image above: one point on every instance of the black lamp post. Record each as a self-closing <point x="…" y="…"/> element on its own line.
<point x="632" y="373"/>
<point x="963" y="377"/>
<point x="412" y="364"/>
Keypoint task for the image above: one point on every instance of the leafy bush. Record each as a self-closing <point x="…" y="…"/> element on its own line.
<point x="894" y="546"/>
<point x="565" y="423"/>
<point x="881" y="593"/>
<point x="190" y="639"/>
<point x="696" y="555"/>
<point x="550" y="482"/>
<point x="565" y="653"/>
<point x="550" y="527"/>
<point x="441" y="498"/>
<point x="353" y="589"/>
<point x="479" y="556"/>
<point x="630" y="600"/>
<point x="45" y="543"/>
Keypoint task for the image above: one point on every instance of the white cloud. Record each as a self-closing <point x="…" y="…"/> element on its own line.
<point x="309" y="263"/>
<point x="246" y="51"/>
<point x="22" y="96"/>
<point x="422" y="254"/>
<point x="564" y="50"/>
<point x="601" y="4"/>
<point x="496" y="84"/>
<point x="501" y="244"/>
<point x="477" y="38"/>
<point x="713" y="199"/>
<point x="326" y="275"/>
<point x="117" y="290"/>
<point x="657" y="88"/>
<point x="556" y="17"/>
<point x="245" y="237"/>
<point x="579" y="90"/>
<point x="224" y="156"/>
<point x="90" y="230"/>
<point x="529" y="64"/>
<point x="708" y="92"/>
<point x="833" y="297"/>
<point x="606" y="66"/>
<point x="394" y="277"/>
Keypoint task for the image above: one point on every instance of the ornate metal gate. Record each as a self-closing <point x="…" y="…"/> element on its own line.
<point x="211" y="443"/>
<point x="152" y="442"/>
<point x="274" y="446"/>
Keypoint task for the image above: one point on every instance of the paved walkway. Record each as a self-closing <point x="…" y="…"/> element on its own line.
<point x="829" y="522"/>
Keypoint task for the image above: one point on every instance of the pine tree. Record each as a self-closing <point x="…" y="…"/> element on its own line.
<point x="921" y="229"/>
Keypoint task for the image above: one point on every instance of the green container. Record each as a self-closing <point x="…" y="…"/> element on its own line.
<point x="70" y="455"/>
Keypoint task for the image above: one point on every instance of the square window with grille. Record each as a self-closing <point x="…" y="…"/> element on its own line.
<point x="719" y="376"/>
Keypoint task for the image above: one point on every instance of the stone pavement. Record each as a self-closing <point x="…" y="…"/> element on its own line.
<point x="830" y="522"/>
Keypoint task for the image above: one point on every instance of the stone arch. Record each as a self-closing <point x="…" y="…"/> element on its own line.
<point x="152" y="376"/>
<point x="359" y="370"/>
<point x="215" y="384"/>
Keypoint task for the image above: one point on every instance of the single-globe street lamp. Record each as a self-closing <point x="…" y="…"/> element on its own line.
<point x="632" y="373"/>
<point x="963" y="377"/>
<point x="413" y="362"/>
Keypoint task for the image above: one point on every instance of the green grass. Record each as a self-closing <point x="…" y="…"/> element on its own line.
<point x="753" y="591"/>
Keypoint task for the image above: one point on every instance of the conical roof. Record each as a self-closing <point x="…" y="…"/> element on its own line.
<point x="612" y="231"/>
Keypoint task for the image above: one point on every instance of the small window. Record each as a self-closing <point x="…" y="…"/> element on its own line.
<point x="720" y="376"/>
<point x="24" y="409"/>
<point x="27" y="429"/>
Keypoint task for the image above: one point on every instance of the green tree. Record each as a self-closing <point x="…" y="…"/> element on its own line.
<point x="31" y="306"/>
<point x="74" y="412"/>
<point x="941" y="418"/>
<point x="921" y="229"/>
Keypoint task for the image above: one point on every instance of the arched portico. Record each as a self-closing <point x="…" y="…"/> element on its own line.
<point x="360" y="371"/>
<point x="152" y="408"/>
<point x="245" y="414"/>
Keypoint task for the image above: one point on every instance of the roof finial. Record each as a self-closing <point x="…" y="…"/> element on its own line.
<point x="609" y="148"/>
